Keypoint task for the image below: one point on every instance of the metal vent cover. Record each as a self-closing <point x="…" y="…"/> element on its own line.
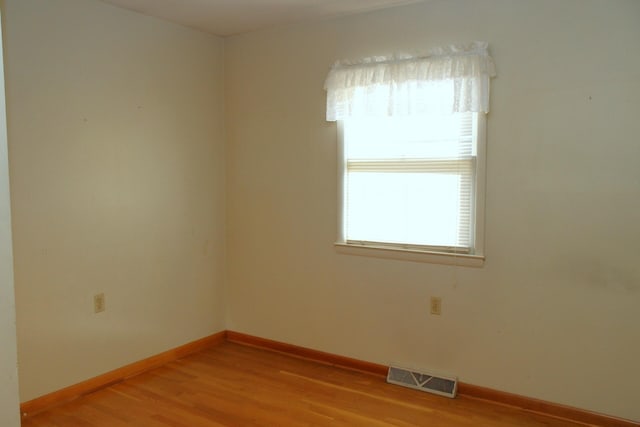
<point x="443" y="386"/>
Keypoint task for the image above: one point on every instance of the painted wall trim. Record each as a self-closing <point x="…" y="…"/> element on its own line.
<point x="467" y="390"/>
<point x="75" y="391"/>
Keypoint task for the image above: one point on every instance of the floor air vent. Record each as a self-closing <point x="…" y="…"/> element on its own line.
<point x="443" y="386"/>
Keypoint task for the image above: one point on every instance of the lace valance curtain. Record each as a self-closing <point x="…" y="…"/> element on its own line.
<point x="448" y="79"/>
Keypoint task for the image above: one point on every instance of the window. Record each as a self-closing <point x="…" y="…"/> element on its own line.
<point x="412" y="133"/>
<point x="410" y="182"/>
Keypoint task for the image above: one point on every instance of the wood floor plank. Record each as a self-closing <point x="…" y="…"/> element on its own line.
<point x="236" y="385"/>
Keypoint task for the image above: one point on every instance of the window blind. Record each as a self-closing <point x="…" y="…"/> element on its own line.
<point x="409" y="181"/>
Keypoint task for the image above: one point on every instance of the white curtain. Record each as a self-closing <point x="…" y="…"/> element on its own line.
<point x="448" y="79"/>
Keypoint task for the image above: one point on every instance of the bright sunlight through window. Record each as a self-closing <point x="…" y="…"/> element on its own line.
<point x="412" y="139"/>
<point x="410" y="182"/>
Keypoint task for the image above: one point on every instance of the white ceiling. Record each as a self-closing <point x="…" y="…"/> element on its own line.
<point x="229" y="17"/>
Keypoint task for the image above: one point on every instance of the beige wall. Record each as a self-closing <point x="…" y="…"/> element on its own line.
<point x="116" y="143"/>
<point x="9" y="409"/>
<point x="554" y="312"/>
<point x="117" y="160"/>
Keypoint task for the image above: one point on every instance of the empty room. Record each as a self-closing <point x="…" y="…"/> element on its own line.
<point x="320" y="212"/>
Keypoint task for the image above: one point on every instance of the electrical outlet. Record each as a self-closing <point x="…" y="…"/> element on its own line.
<point x="436" y="306"/>
<point x="99" y="304"/>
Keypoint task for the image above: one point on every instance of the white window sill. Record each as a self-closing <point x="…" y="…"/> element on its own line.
<point x="463" y="260"/>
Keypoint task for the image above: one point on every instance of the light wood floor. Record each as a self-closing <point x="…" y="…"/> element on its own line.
<point x="235" y="385"/>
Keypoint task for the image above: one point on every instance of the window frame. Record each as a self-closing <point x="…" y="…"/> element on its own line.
<point x="413" y="252"/>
